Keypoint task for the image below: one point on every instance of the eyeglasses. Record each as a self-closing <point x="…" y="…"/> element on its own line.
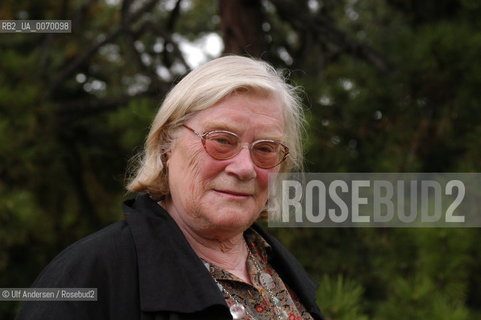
<point x="223" y="145"/>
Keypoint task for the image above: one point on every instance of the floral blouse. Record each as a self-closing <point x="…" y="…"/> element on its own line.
<point x="268" y="298"/>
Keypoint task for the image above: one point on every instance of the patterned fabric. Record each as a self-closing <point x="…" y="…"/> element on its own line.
<point x="257" y="299"/>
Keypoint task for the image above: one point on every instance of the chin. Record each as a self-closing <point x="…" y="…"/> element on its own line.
<point x="233" y="219"/>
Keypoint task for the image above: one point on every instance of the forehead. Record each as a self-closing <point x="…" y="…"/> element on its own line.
<point x="260" y="114"/>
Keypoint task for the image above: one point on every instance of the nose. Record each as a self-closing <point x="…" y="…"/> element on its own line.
<point x="242" y="165"/>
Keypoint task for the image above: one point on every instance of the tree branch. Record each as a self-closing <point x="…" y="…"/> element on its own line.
<point x="322" y="27"/>
<point x="70" y="69"/>
<point x="174" y="15"/>
<point x="96" y="105"/>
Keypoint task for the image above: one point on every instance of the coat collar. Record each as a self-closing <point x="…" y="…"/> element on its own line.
<point x="173" y="278"/>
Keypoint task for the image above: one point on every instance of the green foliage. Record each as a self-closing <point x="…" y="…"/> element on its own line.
<point x="341" y="299"/>
<point x="419" y="298"/>
<point x="65" y="142"/>
<point x="131" y="124"/>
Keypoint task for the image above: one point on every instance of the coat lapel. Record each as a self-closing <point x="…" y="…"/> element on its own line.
<point x="171" y="276"/>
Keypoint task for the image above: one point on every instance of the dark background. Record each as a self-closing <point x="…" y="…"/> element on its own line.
<point x="389" y="86"/>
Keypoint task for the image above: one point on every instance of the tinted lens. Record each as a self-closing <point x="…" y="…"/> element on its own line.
<point x="221" y="145"/>
<point x="267" y="154"/>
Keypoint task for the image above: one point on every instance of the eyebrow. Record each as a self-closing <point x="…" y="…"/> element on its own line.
<point x="217" y="125"/>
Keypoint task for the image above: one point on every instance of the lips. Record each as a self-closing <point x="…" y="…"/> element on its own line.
<point x="233" y="193"/>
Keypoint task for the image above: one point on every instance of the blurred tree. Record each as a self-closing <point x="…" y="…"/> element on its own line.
<point x="241" y="27"/>
<point x="390" y="86"/>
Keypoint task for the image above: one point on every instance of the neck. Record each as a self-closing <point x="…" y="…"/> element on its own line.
<point x="230" y="253"/>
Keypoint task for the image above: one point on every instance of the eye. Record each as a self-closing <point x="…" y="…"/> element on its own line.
<point x="223" y="138"/>
<point x="266" y="147"/>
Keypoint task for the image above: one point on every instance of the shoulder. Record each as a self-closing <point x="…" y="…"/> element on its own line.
<point x="91" y="259"/>
<point x="104" y="260"/>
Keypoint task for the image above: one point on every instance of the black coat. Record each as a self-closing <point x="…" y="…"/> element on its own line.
<point x="143" y="268"/>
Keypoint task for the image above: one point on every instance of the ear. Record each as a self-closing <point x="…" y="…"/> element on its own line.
<point x="165" y="157"/>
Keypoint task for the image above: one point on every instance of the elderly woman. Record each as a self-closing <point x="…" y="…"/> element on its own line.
<point x="189" y="247"/>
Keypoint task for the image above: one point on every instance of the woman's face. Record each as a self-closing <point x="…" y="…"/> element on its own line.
<point x="218" y="199"/>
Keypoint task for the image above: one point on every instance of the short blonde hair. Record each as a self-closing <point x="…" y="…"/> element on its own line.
<point x="199" y="90"/>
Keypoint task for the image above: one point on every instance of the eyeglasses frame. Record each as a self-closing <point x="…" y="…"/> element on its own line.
<point x="203" y="135"/>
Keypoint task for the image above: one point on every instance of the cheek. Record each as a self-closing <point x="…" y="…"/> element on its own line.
<point x="183" y="167"/>
<point x="197" y="172"/>
<point x="210" y="168"/>
<point x="263" y="179"/>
